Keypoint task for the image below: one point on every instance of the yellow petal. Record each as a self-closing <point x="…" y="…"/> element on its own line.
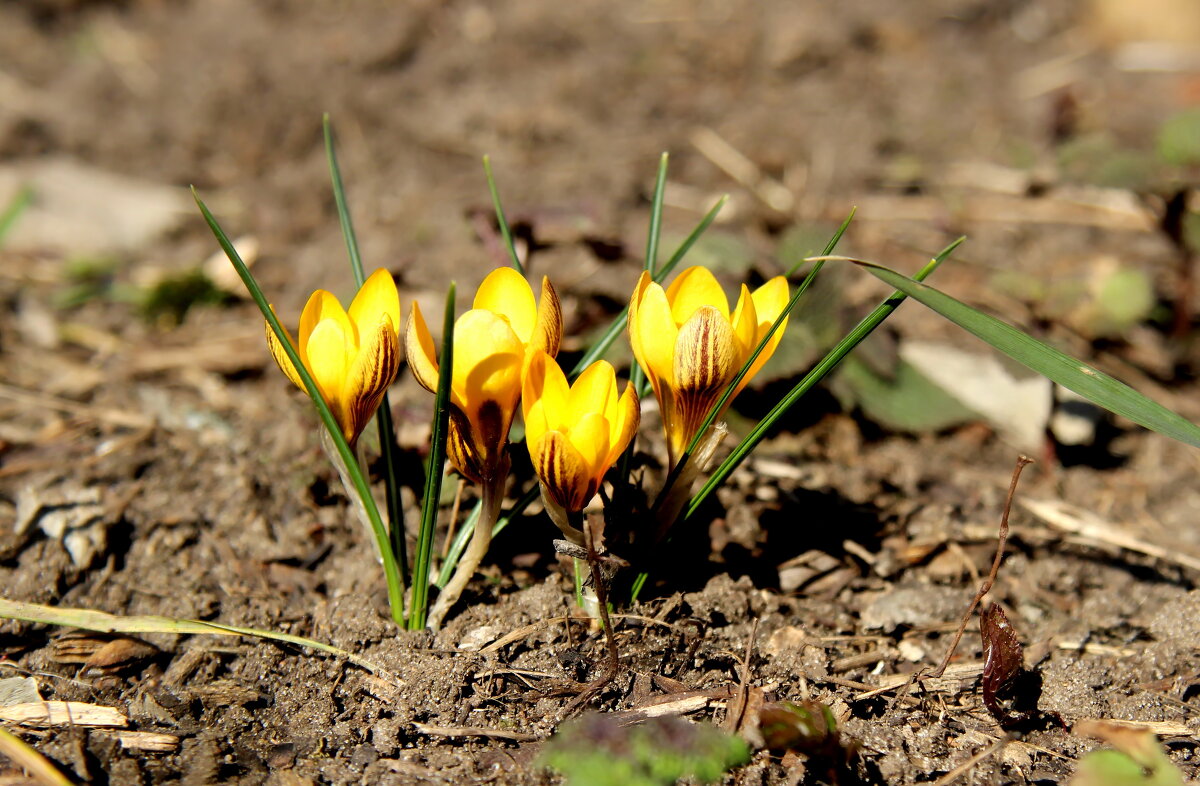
<point x="705" y="356"/>
<point x="562" y="471"/>
<point x="652" y="332"/>
<point x="704" y="364"/>
<point x="624" y="425"/>
<point x="418" y="345"/>
<point x="505" y="292"/>
<point x="544" y="395"/>
<point x="372" y="372"/>
<point x="460" y="448"/>
<point x="769" y="302"/>
<point x="589" y="436"/>
<point x="488" y="358"/>
<point x="547" y="333"/>
<point x="377" y="296"/>
<point x="594" y="391"/>
<point x="323" y="306"/>
<point x="285" y="363"/>
<point x="329" y="354"/>
<point x="535" y="423"/>
<point x="745" y="326"/>
<point x="693" y="288"/>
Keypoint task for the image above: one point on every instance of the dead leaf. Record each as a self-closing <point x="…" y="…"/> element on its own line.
<point x="1002" y="663"/>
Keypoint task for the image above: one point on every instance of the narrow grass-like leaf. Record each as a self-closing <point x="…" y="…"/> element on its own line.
<point x="16" y="206"/>
<point x="505" y="231"/>
<point x="343" y="210"/>
<point x="827" y="364"/>
<point x="1095" y="386"/>
<point x="383" y="415"/>
<point x="637" y="377"/>
<point x="719" y="406"/>
<point x="437" y="469"/>
<point x="103" y="622"/>
<point x="656" y="208"/>
<point x="37" y="766"/>
<point x="391" y="570"/>
<point x="459" y="544"/>
<point x="617" y="326"/>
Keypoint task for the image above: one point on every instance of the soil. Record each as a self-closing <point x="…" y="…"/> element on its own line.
<point x="842" y="555"/>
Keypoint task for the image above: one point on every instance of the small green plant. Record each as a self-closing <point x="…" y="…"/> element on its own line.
<point x="596" y="750"/>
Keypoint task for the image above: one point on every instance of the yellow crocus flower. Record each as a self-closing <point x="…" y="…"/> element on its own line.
<point x="575" y="432"/>
<point x="353" y="355"/>
<point x="493" y="345"/>
<point x="691" y="347"/>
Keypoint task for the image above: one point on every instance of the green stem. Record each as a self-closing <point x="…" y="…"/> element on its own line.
<point x="481" y="539"/>
<point x="435" y="472"/>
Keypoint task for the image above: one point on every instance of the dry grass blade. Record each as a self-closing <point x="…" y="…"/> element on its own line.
<point x="35" y="764"/>
<point x="103" y="622"/>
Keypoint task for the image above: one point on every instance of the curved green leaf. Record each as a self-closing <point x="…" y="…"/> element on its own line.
<point x="1094" y="385"/>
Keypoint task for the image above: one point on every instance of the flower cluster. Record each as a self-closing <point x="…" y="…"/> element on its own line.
<point x="684" y="337"/>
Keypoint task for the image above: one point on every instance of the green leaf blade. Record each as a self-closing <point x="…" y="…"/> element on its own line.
<point x="1073" y="374"/>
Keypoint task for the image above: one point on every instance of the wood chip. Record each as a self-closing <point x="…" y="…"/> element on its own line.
<point x="62" y="713"/>
<point x="149" y="741"/>
<point x="101" y="652"/>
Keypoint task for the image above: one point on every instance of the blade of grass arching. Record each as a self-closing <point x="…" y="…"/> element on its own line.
<point x="103" y="622"/>
<point x="16" y="206"/>
<point x="827" y="364"/>
<point x="395" y="584"/>
<point x="418" y="614"/>
<point x="719" y="406"/>
<point x="637" y="377"/>
<point x="383" y="415"/>
<point x="37" y="766"/>
<point x="505" y="231"/>
<point x="339" y="198"/>
<point x="1095" y="386"/>
<point x="464" y="532"/>
<point x="614" y="330"/>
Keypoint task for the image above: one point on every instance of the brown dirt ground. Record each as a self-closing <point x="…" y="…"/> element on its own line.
<point x="218" y="505"/>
